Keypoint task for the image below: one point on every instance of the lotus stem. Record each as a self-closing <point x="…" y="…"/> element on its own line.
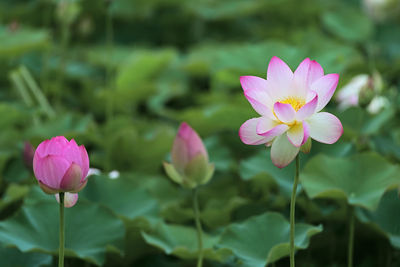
<point x="199" y="229"/>
<point x="292" y="211"/>
<point x="61" y="249"/>
<point x="351" y="237"/>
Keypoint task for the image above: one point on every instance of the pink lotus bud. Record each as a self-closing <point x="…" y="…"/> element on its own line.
<point x="190" y="166"/>
<point x="61" y="165"/>
<point x="29" y="151"/>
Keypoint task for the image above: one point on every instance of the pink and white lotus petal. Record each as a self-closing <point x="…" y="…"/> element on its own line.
<point x="265" y="124"/>
<point x="50" y="169"/>
<point x="279" y="71"/>
<point x="54" y="146"/>
<point x="279" y="76"/>
<point x="260" y="101"/>
<point x="300" y="78"/>
<point x="270" y="128"/>
<point x="308" y="109"/>
<point x="282" y="151"/>
<point x="325" y="87"/>
<point x="72" y="178"/>
<point x="85" y="162"/>
<point x="325" y="127"/>
<point x="296" y="134"/>
<point x="248" y="133"/>
<point x="253" y="83"/>
<point x="316" y="72"/>
<point x="284" y="112"/>
<point x="306" y="129"/>
<point x="277" y="130"/>
<point x="70" y="199"/>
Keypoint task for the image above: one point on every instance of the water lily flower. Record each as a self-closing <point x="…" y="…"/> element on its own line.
<point x="290" y="107"/>
<point x="61" y="165"/>
<point x="190" y="166"/>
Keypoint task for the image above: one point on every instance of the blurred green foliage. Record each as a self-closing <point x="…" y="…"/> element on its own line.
<point x="120" y="75"/>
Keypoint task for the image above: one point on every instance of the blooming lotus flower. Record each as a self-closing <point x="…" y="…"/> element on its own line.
<point x="289" y="105"/>
<point x="190" y="166"/>
<point x="61" y="166"/>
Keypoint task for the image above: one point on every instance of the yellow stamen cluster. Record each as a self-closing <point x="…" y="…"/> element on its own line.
<point x="294" y="102"/>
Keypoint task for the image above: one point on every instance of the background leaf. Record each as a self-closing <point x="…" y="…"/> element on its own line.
<point x="361" y="179"/>
<point x="35" y="228"/>
<point x="264" y="239"/>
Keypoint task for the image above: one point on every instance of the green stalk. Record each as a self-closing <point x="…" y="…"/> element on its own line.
<point x="351" y="237"/>
<point x="61" y="250"/>
<point x="36" y="91"/>
<point x="292" y="211"/>
<point x="199" y="229"/>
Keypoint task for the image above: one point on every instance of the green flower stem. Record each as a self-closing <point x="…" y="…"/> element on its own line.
<point x="292" y="211"/>
<point x="199" y="229"/>
<point x="351" y="237"/>
<point x="61" y="250"/>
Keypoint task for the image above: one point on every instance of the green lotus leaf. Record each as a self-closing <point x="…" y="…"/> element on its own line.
<point x="12" y="257"/>
<point x="385" y="217"/>
<point x="361" y="179"/>
<point x="89" y="230"/>
<point x="181" y="241"/>
<point x="122" y="195"/>
<point x="264" y="239"/>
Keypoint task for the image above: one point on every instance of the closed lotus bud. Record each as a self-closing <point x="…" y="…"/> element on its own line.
<point x="29" y="151"/>
<point x="190" y="166"/>
<point x="61" y="165"/>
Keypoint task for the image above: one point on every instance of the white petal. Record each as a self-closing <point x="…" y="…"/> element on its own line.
<point x="296" y="134"/>
<point x="316" y="71"/>
<point x="325" y="127"/>
<point x="70" y="199"/>
<point x="282" y="151"/>
<point x="265" y="124"/>
<point x="280" y="76"/>
<point x="300" y="78"/>
<point x="325" y="87"/>
<point x="284" y="112"/>
<point x="270" y="128"/>
<point x="256" y="93"/>
<point x="277" y="130"/>
<point x="308" y="109"/>
<point x="248" y="133"/>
